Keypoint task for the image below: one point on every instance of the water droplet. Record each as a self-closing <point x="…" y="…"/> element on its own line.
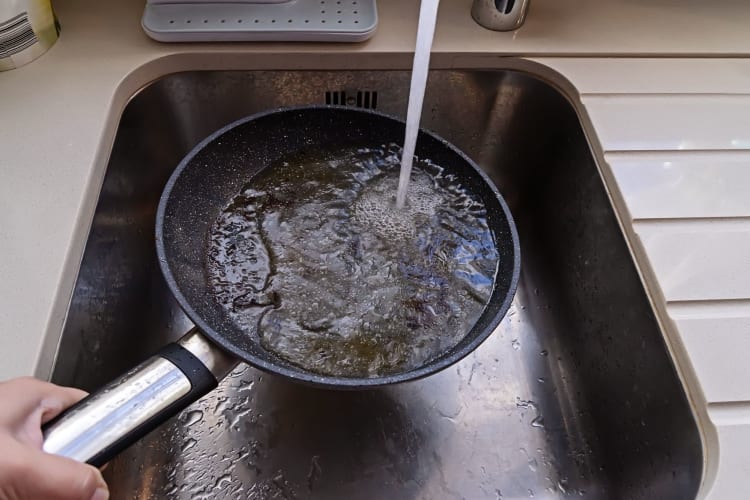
<point x="540" y="380"/>
<point x="531" y="493"/>
<point x="498" y="495"/>
<point x="239" y="416"/>
<point x="193" y="417"/>
<point x="525" y="404"/>
<point x="516" y="344"/>
<point x="222" y="481"/>
<point x="533" y="464"/>
<point x="189" y="444"/>
<point x="538" y="422"/>
<point x="221" y="405"/>
<point x="544" y="352"/>
<point x="562" y="485"/>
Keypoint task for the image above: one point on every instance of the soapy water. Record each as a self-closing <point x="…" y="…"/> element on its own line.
<point x="314" y="258"/>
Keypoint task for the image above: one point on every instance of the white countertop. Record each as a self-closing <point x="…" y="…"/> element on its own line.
<point x="672" y="136"/>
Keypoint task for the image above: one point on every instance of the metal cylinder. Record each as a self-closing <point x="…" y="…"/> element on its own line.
<point x="122" y="405"/>
<point x="500" y="15"/>
<point x="107" y="421"/>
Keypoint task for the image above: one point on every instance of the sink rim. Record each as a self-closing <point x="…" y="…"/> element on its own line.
<point x="565" y="88"/>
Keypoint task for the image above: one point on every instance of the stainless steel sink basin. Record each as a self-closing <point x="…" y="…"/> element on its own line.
<point x="575" y="394"/>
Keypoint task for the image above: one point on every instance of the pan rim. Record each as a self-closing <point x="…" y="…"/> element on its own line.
<point x="311" y="378"/>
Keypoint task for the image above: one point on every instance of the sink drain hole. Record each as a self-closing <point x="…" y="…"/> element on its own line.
<point x="366" y="99"/>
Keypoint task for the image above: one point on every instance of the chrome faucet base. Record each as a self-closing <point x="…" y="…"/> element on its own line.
<point x="500" y="15"/>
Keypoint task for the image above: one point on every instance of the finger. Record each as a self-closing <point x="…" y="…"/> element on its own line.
<point x="59" y="478"/>
<point x="34" y="403"/>
<point x="61" y="399"/>
<point x="32" y="396"/>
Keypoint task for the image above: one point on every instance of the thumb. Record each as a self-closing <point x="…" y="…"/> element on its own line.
<point x="61" y="478"/>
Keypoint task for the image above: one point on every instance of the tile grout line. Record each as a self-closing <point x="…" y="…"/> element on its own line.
<point x="672" y="225"/>
<point x="664" y="95"/>
<point x="709" y="308"/>
<point x="678" y="151"/>
<point x="740" y="155"/>
<point x="730" y="413"/>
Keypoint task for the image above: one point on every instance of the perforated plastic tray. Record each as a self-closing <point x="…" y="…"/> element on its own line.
<point x="295" y="20"/>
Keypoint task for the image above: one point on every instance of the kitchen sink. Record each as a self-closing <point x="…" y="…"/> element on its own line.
<point x="574" y="395"/>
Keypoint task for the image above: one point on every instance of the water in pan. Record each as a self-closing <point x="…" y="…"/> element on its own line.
<point x="314" y="257"/>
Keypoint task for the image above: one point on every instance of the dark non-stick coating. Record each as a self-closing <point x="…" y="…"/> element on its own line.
<point x="215" y="170"/>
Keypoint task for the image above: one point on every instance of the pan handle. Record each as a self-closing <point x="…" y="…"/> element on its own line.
<point x="109" y="420"/>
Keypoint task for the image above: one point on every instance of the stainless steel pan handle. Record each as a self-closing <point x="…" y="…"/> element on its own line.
<point x="111" y="419"/>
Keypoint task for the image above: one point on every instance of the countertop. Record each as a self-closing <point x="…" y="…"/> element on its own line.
<point x="663" y="87"/>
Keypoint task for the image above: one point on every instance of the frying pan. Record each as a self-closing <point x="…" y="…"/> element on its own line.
<point x="109" y="420"/>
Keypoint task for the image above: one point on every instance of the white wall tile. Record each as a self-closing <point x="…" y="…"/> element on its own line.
<point x="733" y="427"/>
<point x="670" y="122"/>
<point x="706" y="260"/>
<point x="683" y="184"/>
<point x="655" y="75"/>
<point x="717" y="340"/>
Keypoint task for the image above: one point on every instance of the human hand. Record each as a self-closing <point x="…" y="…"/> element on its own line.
<point x="27" y="472"/>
